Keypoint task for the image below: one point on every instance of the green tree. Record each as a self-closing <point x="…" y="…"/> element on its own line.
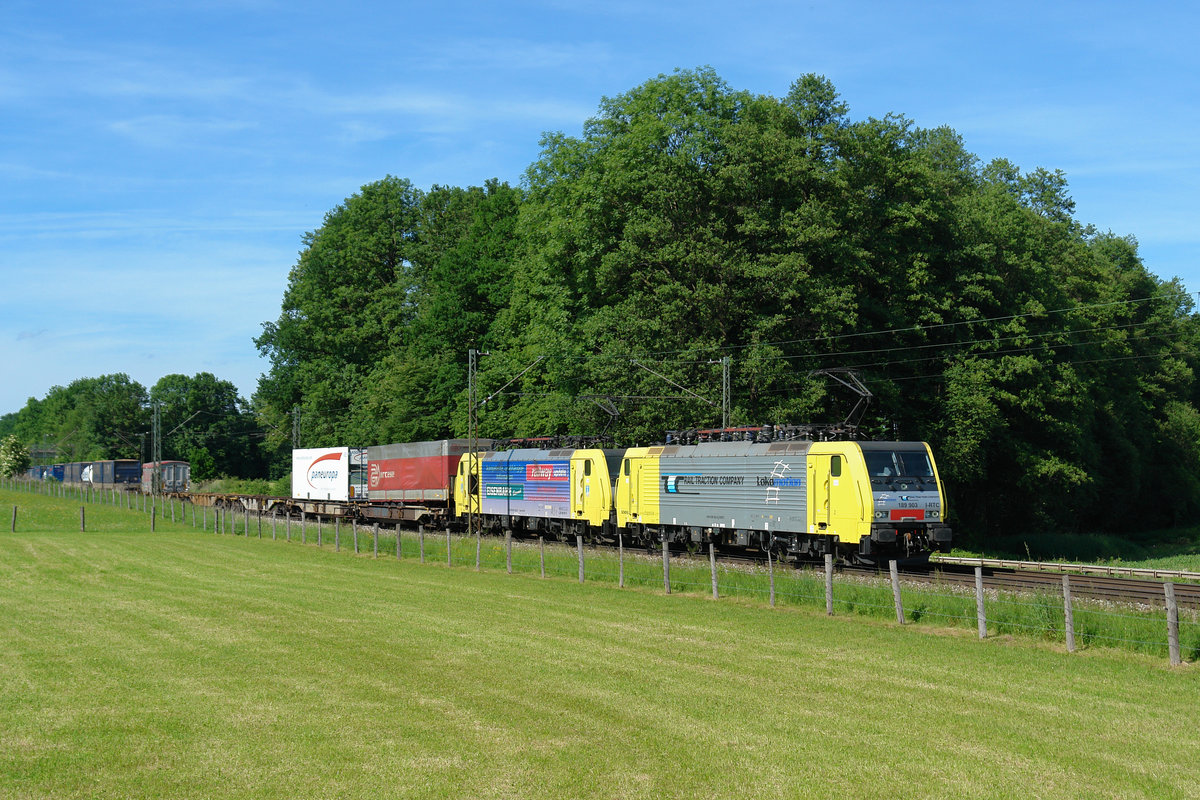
<point x="349" y="301"/>
<point x="204" y="414"/>
<point x="203" y="466"/>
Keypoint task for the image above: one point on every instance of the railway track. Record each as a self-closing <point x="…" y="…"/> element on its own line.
<point x="1134" y="591"/>
<point x="1127" y="591"/>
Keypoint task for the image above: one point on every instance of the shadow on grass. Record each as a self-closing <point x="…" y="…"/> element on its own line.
<point x="1178" y="545"/>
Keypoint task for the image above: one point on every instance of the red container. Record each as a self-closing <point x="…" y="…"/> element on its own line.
<point x="419" y="472"/>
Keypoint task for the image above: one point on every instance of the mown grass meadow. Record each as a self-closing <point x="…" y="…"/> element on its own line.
<point x="184" y="664"/>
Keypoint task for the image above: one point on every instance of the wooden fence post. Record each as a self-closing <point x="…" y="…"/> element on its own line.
<point x="771" y="575"/>
<point x="245" y="518"/>
<point x="1068" y="614"/>
<point x="666" y="565"/>
<point x="478" y="546"/>
<point x="152" y="523"/>
<point x="83" y="527"/>
<point x="579" y="547"/>
<point x="1172" y="624"/>
<point x="354" y="531"/>
<point x="320" y="531"/>
<point x="980" y="614"/>
<point x="508" y="551"/>
<point x="303" y="527"/>
<point x="829" y="584"/>
<point x="896" y="591"/>
<point x="337" y="534"/>
<point x="14" y="521"/>
<point x="258" y="513"/>
<point x="421" y="541"/>
<point x="375" y="540"/>
<point x="542" y="551"/>
<point x="398" y="552"/>
<point x="712" y="563"/>
<point x="274" y="517"/>
<point x="620" y="561"/>
<point x="449" y="562"/>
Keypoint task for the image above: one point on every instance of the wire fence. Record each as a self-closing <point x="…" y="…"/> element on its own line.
<point x="1164" y="630"/>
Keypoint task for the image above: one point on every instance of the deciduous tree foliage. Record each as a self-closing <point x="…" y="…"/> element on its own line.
<point x="109" y="417"/>
<point x="14" y="456"/>
<point x="1052" y="372"/>
<point x="89" y="419"/>
<point x="206" y="423"/>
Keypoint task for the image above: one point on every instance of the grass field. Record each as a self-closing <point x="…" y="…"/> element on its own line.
<point x="183" y="664"/>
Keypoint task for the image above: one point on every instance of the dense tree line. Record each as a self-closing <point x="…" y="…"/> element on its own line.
<point x="202" y="420"/>
<point x="1051" y="371"/>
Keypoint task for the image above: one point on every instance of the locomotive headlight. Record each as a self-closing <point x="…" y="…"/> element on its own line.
<point x="880" y="515"/>
<point x="935" y="514"/>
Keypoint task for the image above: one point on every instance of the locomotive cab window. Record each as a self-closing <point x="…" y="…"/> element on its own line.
<point x="587" y="467"/>
<point x="835" y="466"/>
<point x="898" y="463"/>
<point x="627" y="468"/>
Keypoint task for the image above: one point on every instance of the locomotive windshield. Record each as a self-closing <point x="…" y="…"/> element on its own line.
<point x="898" y="463"/>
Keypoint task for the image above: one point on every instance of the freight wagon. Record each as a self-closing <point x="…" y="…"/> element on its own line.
<point x="174" y="476"/>
<point x="117" y="472"/>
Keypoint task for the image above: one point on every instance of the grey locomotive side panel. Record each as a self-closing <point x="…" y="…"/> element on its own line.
<point x="751" y="492"/>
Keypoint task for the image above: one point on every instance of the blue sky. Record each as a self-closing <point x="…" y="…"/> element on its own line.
<point x="159" y="162"/>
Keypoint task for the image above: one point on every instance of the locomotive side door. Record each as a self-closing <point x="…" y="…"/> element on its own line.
<point x="466" y="485"/>
<point x="591" y="487"/>
<point x="629" y="475"/>
<point x="836" y="505"/>
<point x="819" y="489"/>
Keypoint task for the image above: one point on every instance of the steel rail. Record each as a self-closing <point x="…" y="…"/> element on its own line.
<point x="1061" y="567"/>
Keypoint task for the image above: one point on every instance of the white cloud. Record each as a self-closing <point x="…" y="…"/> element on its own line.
<point x="166" y="131"/>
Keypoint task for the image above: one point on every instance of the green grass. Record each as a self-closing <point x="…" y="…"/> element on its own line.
<point x="179" y="664"/>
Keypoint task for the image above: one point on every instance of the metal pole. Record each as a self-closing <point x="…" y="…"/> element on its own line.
<point x="472" y="461"/>
<point x="725" y="392"/>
